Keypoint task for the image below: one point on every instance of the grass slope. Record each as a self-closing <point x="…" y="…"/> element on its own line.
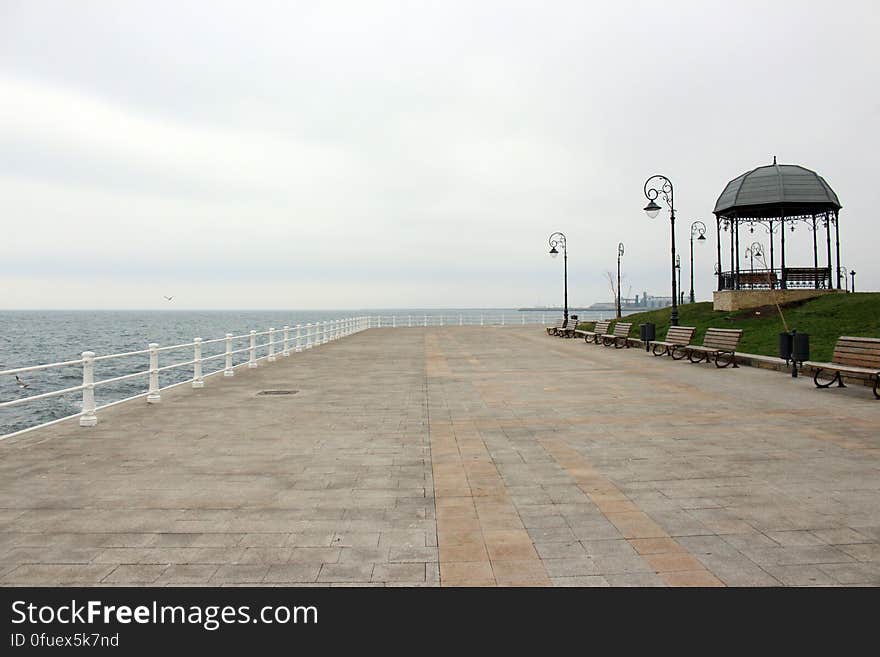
<point x="824" y="318"/>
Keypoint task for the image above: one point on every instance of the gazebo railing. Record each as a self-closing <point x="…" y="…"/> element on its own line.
<point x="818" y="278"/>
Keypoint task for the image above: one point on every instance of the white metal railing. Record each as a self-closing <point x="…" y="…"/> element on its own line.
<point x="305" y="336"/>
<point x="463" y="319"/>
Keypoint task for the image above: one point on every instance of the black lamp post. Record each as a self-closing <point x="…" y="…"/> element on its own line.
<point x="852" y="286"/>
<point x="678" y="276"/>
<point x="558" y="239"/>
<point x="652" y="209"/>
<point x="619" y="255"/>
<point x="698" y="228"/>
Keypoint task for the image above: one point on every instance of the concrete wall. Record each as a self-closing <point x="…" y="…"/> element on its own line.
<point x="731" y="300"/>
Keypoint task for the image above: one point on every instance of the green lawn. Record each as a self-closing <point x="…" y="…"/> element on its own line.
<point x="824" y="318"/>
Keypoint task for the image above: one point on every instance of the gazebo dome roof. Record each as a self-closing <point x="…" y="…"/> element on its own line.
<point x="774" y="190"/>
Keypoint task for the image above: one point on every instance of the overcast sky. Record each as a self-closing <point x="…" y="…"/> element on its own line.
<point x="409" y="154"/>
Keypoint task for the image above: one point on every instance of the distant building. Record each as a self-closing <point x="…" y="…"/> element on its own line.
<point x="643" y="302"/>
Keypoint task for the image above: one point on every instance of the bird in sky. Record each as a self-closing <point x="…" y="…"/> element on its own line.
<point x="167" y="298"/>
<point x="21" y="384"/>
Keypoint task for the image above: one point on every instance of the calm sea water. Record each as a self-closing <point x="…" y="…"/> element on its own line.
<point x="36" y="337"/>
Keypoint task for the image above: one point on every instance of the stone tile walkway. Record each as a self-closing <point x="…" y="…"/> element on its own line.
<point x="461" y="456"/>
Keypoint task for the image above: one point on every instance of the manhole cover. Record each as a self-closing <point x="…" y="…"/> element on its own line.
<point x="278" y="392"/>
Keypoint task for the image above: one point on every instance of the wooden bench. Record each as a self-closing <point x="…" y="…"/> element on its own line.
<point x="757" y="279"/>
<point x="677" y="337"/>
<point x="552" y="330"/>
<point x="851" y="356"/>
<point x="719" y="345"/>
<point x="593" y="336"/>
<point x="569" y="331"/>
<point x="818" y="277"/>
<point x="618" y="337"/>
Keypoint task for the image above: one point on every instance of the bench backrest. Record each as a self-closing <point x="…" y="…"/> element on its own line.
<point x="816" y="275"/>
<point x="621" y="329"/>
<point x="602" y="327"/>
<point x="758" y="277"/>
<point x="859" y="352"/>
<point x="724" y="339"/>
<point x="680" y="334"/>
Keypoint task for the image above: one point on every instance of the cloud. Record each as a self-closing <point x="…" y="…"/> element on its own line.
<point x="387" y="153"/>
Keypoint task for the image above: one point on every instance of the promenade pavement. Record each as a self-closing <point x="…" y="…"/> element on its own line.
<point x="459" y="456"/>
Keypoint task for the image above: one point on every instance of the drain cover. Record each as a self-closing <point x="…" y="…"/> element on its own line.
<point x="278" y="392"/>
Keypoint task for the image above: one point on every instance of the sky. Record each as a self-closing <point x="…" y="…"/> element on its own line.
<point x="377" y="154"/>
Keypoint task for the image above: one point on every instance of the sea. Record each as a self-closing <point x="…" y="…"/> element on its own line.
<point x="33" y="337"/>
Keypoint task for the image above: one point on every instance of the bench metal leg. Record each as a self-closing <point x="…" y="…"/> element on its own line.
<point x="620" y="343"/>
<point x="835" y="379"/>
<point x="663" y="350"/>
<point x="677" y="350"/>
<point x="702" y="356"/>
<point x="877" y="386"/>
<point x="729" y="357"/>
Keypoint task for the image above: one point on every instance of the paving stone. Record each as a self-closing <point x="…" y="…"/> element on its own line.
<point x="576" y="567"/>
<point x="590" y="581"/>
<point x="343" y="572"/>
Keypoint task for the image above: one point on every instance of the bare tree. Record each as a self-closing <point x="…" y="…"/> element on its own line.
<point x="612" y="281"/>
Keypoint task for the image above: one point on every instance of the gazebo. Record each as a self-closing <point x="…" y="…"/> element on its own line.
<point x="774" y="199"/>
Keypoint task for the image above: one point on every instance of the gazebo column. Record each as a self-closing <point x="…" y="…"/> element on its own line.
<point x="736" y="251"/>
<point x="828" y="248"/>
<point x="732" y="265"/>
<point x="815" y="254"/>
<point x="718" y="248"/>
<point x="837" y="244"/>
<point x="782" y="284"/>
<point x="772" y="261"/>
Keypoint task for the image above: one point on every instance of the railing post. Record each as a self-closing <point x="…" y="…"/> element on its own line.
<point x="153" y="396"/>
<point x="285" y="351"/>
<point x="481" y="319"/>
<point x="88" y="418"/>
<point x="426" y="320"/>
<point x="308" y="335"/>
<point x="410" y="320"/>
<point x="502" y="319"/>
<point x="271" y="357"/>
<point x="252" y="350"/>
<point x="542" y="319"/>
<point x="523" y="320"/>
<point x="198" y="382"/>
<point x="324" y="332"/>
<point x="441" y="320"/>
<point x="297" y="341"/>
<point x="394" y="321"/>
<point x="379" y="321"/>
<point x="460" y="320"/>
<point x="228" y="371"/>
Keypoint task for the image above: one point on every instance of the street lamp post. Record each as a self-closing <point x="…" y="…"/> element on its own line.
<point x="678" y="274"/>
<point x="663" y="187"/>
<point x="558" y="239"/>
<point x="619" y="256"/>
<point x="698" y="228"/>
<point x="852" y="286"/>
